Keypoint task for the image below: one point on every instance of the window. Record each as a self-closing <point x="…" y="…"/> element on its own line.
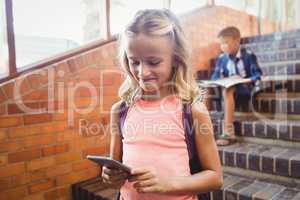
<point x="47" y="28"/>
<point x="249" y="6"/>
<point x="122" y="10"/>
<point x="3" y="42"/>
<point x="182" y="6"/>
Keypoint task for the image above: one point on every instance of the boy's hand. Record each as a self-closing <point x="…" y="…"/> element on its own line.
<point x="114" y="177"/>
<point x="147" y="180"/>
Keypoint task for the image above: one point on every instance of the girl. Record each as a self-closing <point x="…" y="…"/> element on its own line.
<point x="159" y="80"/>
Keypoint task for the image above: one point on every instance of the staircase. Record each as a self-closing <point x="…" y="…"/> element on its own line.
<point x="265" y="163"/>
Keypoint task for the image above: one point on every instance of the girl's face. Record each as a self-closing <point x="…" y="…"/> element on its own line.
<point x="150" y="61"/>
<point x="229" y="45"/>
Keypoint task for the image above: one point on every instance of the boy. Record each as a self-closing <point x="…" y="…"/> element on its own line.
<point x="237" y="62"/>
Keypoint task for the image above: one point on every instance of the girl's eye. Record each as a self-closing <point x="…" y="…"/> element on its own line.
<point x="154" y="63"/>
<point x="133" y="63"/>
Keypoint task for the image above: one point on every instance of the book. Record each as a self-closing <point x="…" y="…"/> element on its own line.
<point x="109" y="162"/>
<point x="225" y="82"/>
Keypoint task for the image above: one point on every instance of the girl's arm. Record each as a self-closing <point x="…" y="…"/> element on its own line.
<point x="113" y="177"/>
<point x="115" y="140"/>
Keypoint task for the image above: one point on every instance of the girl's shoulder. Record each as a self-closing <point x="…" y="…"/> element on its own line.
<point x="116" y="108"/>
<point x="199" y="108"/>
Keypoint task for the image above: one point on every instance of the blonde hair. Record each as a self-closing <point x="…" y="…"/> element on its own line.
<point x="156" y="22"/>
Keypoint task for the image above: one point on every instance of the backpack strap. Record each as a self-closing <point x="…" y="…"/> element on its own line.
<point x="122" y="116"/>
<point x="188" y="129"/>
<point x="189" y="132"/>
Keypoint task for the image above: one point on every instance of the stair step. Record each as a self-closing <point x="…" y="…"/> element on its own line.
<point x="272" y="37"/>
<point x="275" y="63"/>
<point x="271" y="129"/>
<point x="92" y="189"/>
<point x="281" y="107"/>
<point x="245" y="188"/>
<point x="273" y="45"/>
<point x="280" y="69"/>
<point x="279" y="94"/>
<point x="270" y="159"/>
<point x="278" y="56"/>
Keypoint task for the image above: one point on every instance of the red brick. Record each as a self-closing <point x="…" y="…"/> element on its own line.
<point x="24" y="155"/>
<point x="23" y="131"/>
<point x="73" y="66"/>
<point x="3" y="135"/>
<point x="86" y="92"/>
<point x="60" y="116"/>
<point x="57" y="193"/>
<point x="40" y="163"/>
<point x="40" y="94"/>
<point x="38" y="141"/>
<point x="61" y="72"/>
<point x="95" y="151"/>
<point x="45" y="185"/>
<point x="37" y="175"/>
<point x="92" y="72"/>
<point x="14" y="108"/>
<point x="12" y="169"/>
<point x="28" y="177"/>
<point x="3" y="110"/>
<point x="83" y="102"/>
<point x="59" y="170"/>
<point x="36" y="196"/>
<point x="5" y="183"/>
<point x="76" y="177"/>
<point x="19" y="180"/>
<point x="10" y="121"/>
<point x="54" y="127"/>
<point x="44" y="76"/>
<point x="82" y="165"/>
<point x="11" y="146"/>
<point x="37" y="118"/>
<point x="3" y="160"/>
<point x="22" y="86"/>
<point x="55" y="149"/>
<point x="67" y="157"/>
<point x="14" y="194"/>
<point x="69" y="135"/>
<point x="8" y="89"/>
<point x="34" y="80"/>
<point x="2" y="96"/>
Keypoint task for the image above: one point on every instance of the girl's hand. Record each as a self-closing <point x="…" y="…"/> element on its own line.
<point x="114" y="177"/>
<point x="147" y="180"/>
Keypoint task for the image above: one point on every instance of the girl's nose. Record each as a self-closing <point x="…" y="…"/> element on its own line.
<point x="143" y="70"/>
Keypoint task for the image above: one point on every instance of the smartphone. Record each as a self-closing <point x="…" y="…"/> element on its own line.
<point x="108" y="162"/>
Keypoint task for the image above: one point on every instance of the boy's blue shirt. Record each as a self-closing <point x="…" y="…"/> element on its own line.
<point x="249" y="60"/>
<point x="250" y="65"/>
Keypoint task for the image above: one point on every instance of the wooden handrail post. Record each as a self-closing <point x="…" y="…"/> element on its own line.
<point x="10" y="38"/>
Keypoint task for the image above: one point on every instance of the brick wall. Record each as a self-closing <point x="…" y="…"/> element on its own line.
<point x="52" y="118"/>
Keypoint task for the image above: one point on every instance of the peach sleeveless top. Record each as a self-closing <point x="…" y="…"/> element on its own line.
<point x="154" y="137"/>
